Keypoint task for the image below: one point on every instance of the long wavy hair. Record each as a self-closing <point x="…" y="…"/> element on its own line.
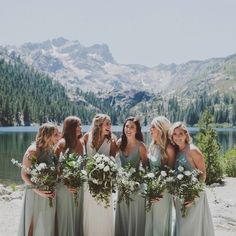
<point x="96" y="130"/>
<point x="181" y="125"/>
<point x="138" y="135"/>
<point x="44" y="135"/>
<point x="69" y="131"/>
<point x="162" y="124"/>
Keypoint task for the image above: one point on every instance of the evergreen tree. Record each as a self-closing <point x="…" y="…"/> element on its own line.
<point x="208" y="144"/>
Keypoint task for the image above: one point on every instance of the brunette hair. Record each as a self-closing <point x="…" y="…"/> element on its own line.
<point x="138" y="135"/>
<point x="69" y="131"/>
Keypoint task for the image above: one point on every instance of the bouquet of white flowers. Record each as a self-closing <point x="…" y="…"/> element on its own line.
<point x="43" y="176"/>
<point x="155" y="184"/>
<point x="187" y="186"/>
<point x="129" y="181"/>
<point x="71" y="172"/>
<point x="102" y="171"/>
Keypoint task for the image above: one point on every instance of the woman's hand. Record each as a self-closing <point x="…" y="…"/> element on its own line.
<point x="45" y="194"/>
<point x="156" y="199"/>
<point x="188" y="203"/>
<point x="71" y="189"/>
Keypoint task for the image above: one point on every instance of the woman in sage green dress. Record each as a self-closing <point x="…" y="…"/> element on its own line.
<point x="68" y="215"/>
<point x="130" y="219"/>
<point x="198" y="220"/>
<point x="161" y="153"/>
<point x="38" y="218"/>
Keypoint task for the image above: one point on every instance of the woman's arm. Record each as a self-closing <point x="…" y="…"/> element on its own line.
<point x="171" y="155"/>
<point x="198" y="161"/>
<point x="143" y="154"/>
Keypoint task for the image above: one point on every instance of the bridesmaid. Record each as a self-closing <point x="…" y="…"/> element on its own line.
<point x="161" y="153"/>
<point x="69" y="216"/>
<point x="38" y="218"/>
<point x="98" y="220"/>
<point x="130" y="219"/>
<point x="198" y="221"/>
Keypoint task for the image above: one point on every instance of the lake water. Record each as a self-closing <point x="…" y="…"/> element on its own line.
<point x="15" y="140"/>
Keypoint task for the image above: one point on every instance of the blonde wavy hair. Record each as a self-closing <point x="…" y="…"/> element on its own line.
<point x="182" y="126"/>
<point x="162" y="124"/>
<point x="97" y="123"/>
<point x="44" y="135"/>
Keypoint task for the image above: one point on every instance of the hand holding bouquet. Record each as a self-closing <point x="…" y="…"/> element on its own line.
<point x="188" y="187"/>
<point x="42" y="175"/>
<point x="71" y="172"/>
<point x="155" y="184"/>
<point x="128" y="182"/>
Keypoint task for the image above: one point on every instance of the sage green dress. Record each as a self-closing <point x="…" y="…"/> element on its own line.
<point x="159" y="218"/>
<point x="130" y="219"/>
<point x="36" y="209"/>
<point x="198" y="221"/>
<point x="69" y="217"/>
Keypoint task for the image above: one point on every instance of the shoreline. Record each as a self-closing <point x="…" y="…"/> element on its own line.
<point x="221" y="200"/>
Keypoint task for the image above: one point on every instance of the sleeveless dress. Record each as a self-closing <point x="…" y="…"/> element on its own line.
<point x="37" y="209"/>
<point x="69" y="217"/>
<point x="130" y="219"/>
<point x="159" y="218"/>
<point x="97" y="220"/>
<point x="198" y="221"/>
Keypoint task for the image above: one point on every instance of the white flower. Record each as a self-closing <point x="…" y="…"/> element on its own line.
<point x="106" y="168"/>
<point x="95" y="181"/>
<point x="181" y="168"/>
<point x="150" y="175"/>
<point x="163" y="173"/>
<point x="98" y="159"/>
<point x="180" y="176"/>
<point x="84" y="172"/>
<point x="194" y="179"/>
<point x="187" y="173"/>
<point x="111" y="163"/>
<point x="101" y="166"/>
<point x="41" y="166"/>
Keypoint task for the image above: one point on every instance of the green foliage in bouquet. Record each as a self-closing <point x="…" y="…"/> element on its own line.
<point x="42" y="175"/>
<point x="155" y="184"/>
<point x="187" y="186"/>
<point x="102" y="171"/>
<point x="129" y="181"/>
<point x="71" y="172"/>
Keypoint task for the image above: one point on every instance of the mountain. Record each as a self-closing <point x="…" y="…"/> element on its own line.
<point x="94" y="69"/>
<point x="92" y="77"/>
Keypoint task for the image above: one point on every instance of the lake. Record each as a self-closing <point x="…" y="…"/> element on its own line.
<point x="15" y="140"/>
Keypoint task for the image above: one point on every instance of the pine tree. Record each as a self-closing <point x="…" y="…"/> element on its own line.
<point x="208" y="144"/>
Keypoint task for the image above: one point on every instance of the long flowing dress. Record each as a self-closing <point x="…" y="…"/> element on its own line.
<point x="69" y="217"/>
<point x="198" y="221"/>
<point x="130" y="219"/>
<point x="159" y="218"/>
<point x="97" y="219"/>
<point x="36" y="209"/>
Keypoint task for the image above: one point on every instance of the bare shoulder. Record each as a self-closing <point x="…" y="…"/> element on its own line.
<point x="85" y="137"/>
<point x="118" y="142"/>
<point x="194" y="150"/>
<point x="142" y="147"/>
<point x="30" y="152"/>
<point x="170" y="149"/>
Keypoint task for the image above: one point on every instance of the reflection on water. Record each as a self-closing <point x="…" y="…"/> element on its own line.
<point x="14" y="142"/>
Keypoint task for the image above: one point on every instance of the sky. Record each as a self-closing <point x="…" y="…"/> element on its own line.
<point x="142" y="32"/>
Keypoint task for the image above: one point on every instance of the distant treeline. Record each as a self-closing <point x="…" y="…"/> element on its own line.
<point x="27" y="96"/>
